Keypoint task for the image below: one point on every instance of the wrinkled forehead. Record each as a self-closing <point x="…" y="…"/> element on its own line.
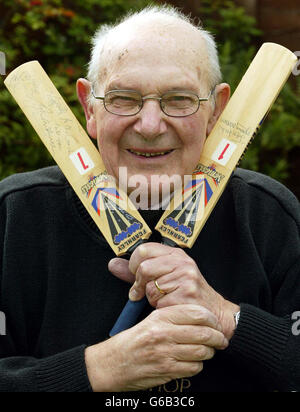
<point x="155" y="46"/>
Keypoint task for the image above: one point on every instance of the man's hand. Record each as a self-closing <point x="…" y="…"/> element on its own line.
<point x="178" y="276"/>
<point x="170" y="343"/>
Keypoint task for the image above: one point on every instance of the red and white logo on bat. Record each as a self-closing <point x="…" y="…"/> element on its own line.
<point x="82" y="161"/>
<point x="224" y="151"/>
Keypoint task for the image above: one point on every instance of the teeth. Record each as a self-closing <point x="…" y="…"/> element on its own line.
<point x="145" y="154"/>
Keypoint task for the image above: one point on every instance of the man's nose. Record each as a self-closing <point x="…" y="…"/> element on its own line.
<point x="150" y="120"/>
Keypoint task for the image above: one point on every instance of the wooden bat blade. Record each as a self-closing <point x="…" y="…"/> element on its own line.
<point x="77" y="157"/>
<point x="234" y="130"/>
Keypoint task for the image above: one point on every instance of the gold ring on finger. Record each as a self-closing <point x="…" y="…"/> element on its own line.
<point x="159" y="289"/>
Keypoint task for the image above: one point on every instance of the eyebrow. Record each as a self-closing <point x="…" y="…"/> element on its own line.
<point x="119" y="86"/>
<point x="114" y="86"/>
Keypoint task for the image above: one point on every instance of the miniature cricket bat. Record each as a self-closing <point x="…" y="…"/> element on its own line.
<point x="227" y="143"/>
<point x="79" y="160"/>
<point x="189" y="210"/>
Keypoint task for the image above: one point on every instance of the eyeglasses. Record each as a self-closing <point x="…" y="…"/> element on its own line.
<point x="173" y="103"/>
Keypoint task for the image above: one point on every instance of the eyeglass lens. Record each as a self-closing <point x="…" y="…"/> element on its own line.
<point x="130" y="103"/>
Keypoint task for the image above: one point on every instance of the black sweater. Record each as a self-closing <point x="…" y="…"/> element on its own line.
<point x="59" y="297"/>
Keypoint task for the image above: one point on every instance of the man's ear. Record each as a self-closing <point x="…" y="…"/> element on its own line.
<point x="83" y="88"/>
<point x="222" y="95"/>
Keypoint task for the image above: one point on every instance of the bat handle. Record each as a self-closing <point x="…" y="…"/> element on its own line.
<point x="129" y="315"/>
<point x="133" y="309"/>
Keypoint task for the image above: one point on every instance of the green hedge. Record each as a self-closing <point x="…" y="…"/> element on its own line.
<point x="57" y="33"/>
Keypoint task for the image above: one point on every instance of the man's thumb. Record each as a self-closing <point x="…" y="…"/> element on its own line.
<point x="120" y="268"/>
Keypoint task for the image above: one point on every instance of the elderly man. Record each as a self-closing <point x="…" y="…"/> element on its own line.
<point x="229" y="301"/>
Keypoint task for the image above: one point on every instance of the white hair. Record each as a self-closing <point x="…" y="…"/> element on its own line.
<point x="165" y="13"/>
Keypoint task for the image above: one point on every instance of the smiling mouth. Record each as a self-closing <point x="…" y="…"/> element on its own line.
<point x="150" y="154"/>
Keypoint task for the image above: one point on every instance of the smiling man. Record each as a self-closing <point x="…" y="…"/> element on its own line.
<point x="160" y="86"/>
<point x="152" y="95"/>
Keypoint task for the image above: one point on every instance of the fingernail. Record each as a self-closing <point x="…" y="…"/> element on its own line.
<point x="225" y="343"/>
<point x="111" y="263"/>
<point x="142" y="250"/>
<point x="133" y="295"/>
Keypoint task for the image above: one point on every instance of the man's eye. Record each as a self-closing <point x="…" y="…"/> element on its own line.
<point x="123" y="100"/>
<point x="179" y="99"/>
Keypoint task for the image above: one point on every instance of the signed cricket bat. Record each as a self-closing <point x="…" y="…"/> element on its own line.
<point x="189" y="210"/>
<point x="79" y="160"/>
<point x="227" y="143"/>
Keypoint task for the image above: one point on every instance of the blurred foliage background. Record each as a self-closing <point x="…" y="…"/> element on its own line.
<point x="58" y="32"/>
